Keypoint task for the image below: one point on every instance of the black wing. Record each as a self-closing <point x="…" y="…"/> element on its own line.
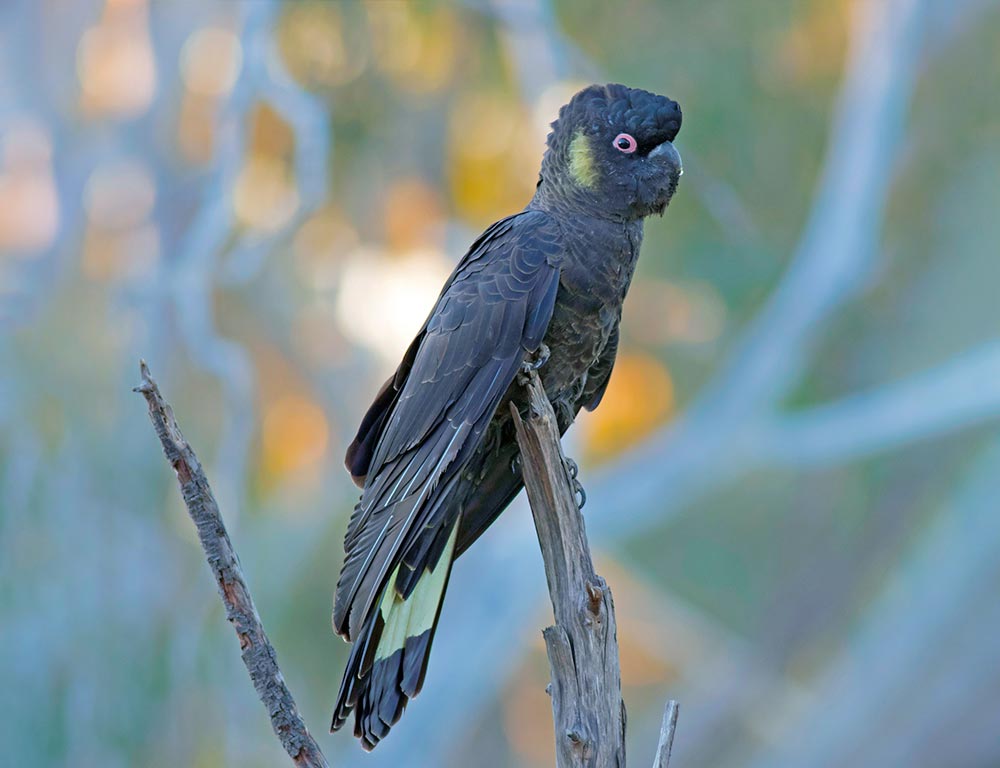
<point x="428" y="420"/>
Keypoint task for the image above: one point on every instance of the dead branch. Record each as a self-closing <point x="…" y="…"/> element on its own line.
<point x="582" y="646"/>
<point x="256" y="650"/>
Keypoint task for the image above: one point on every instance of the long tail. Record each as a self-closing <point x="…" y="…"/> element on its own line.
<point x="388" y="660"/>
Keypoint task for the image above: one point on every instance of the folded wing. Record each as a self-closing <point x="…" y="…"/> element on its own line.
<point x="429" y="418"/>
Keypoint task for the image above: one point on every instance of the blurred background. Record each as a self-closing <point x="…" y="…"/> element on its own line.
<point x="793" y="479"/>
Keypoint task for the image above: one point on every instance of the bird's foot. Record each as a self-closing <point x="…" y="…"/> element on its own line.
<point x="572" y="467"/>
<point x="536" y="359"/>
<point x="573" y="470"/>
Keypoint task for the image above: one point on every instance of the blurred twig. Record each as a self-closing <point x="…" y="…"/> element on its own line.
<point x="946" y="398"/>
<point x="666" y="744"/>
<point x="257" y="652"/>
<point x="582" y="646"/>
<point x="214" y="249"/>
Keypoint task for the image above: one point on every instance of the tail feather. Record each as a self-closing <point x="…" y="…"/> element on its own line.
<point x="388" y="661"/>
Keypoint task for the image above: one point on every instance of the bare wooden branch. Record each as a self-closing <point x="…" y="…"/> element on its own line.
<point x="666" y="743"/>
<point x="256" y="650"/>
<point x="587" y="704"/>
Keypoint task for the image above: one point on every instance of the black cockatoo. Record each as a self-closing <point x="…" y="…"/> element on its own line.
<point x="436" y="453"/>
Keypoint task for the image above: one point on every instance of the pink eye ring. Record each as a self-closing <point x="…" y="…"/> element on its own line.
<point x="625" y="143"/>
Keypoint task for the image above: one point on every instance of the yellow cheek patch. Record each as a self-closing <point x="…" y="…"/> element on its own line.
<point x="581" y="161"/>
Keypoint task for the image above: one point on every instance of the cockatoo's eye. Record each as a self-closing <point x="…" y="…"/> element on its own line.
<point x="625" y="143"/>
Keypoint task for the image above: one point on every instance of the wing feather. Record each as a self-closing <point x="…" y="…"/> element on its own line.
<point x="495" y="307"/>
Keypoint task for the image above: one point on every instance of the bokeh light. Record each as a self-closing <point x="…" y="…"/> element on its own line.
<point x="315" y="47"/>
<point x="493" y="155"/>
<point x="294" y="436"/>
<point x="416" y="48"/>
<point x="382" y="300"/>
<point x="29" y="203"/>
<point x="639" y="398"/>
<point x="115" y="61"/>
<point x="211" y="60"/>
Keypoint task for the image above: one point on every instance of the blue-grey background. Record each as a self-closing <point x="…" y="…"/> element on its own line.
<point x="793" y="480"/>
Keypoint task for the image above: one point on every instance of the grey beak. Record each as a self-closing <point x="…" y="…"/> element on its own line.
<point x="669" y="154"/>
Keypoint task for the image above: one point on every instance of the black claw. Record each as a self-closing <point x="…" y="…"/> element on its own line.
<point x="573" y="470"/>
<point x="515" y="465"/>
<point x="542" y="355"/>
<point x="536" y="359"/>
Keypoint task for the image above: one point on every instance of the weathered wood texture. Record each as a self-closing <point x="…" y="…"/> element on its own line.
<point x="257" y="651"/>
<point x="587" y="704"/>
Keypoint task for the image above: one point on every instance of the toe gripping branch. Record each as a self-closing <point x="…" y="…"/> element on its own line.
<point x="535" y="360"/>
<point x="573" y="470"/>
